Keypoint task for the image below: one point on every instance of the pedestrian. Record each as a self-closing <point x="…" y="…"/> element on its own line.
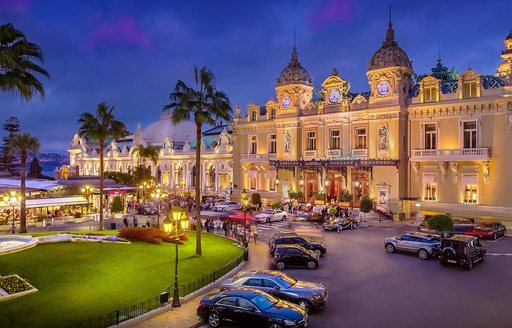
<point x="135" y="222"/>
<point x="148" y="222"/>
<point x="125" y="221"/>
<point x="254" y="230"/>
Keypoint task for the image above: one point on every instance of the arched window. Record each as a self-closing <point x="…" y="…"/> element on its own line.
<point x="253" y="115"/>
<point x="211" y="176"/>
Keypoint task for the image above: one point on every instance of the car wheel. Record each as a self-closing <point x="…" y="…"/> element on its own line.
<point x="318" y="252"/>
<point x="483" y="258"/>
<point x="214" y="320"/>
<point x="284" y="218"/>
<point x="268" y="220"/>
<point x="443" y="263"/>
<point x="469" y="266"/>
<point x="311" y="265"/>
<point x="281" y="265"/>
<point x="274" y="325"/>
<point x="423" y="254"/>
<point x="305" y="304"/>
<point x="390" y="248"/>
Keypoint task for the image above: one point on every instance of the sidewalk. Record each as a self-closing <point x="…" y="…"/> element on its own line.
<point x="185" y="316"/>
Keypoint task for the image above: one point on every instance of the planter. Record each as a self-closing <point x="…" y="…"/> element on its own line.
<point x="4" y="295"/>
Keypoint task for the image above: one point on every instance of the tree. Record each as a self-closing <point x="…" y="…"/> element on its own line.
<point x="440" y="223"/>
<point x="204" y="105"/>
<point x="12" y="126"/>
<point x="21" y="144"/>
<point x="345" y="196"/>
<point x="35" y="171"/>
<point x="146" y="153"/>
<point x="117" y="205"/>
<point x="256" y="199"/>
<point x="17" y="67"/>
<point x="366" y="204"/>
<point x="99" y="127"/>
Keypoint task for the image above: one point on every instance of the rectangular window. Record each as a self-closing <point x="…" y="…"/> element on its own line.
<point x="272" y="113"/>
<point x="470" y="132"/>
<point x="311" y="140"/>
<point x="334" y="139"/>
<point x="253" y="115"/>
<point x="271" y="184"/>
<point x="430" y="192"/>
<point x="361" y="138"/>
<point x="430" y="137"/>
<point x="272" y="149"/>
<point x="254" y="145"/>
<point x="470" y="194"/>
<point x="429" y="93"/>
<point x="252" y="183"/>
<point x="469" y="89"/>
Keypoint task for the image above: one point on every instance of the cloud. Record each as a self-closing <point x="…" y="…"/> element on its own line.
<point x="334" y="11"/>
<point x="15" y="6"/>
<point x="122" y="32"/>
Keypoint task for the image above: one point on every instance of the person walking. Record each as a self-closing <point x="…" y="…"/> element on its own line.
<point x="135" y="222"/>
<point x="125" y="221"/>
<point x="254" y="232"/>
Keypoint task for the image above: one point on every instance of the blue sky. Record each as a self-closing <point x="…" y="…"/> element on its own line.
<point x="131" y="53"/>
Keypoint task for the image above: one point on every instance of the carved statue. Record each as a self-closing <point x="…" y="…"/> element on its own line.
<point x="416" y="170"/>
<point x="442" y="168"/>
<point x="287" y="141"/>
<point x="384" y="137"/>
<point x="453" y="168"/>
<point x="487" y="171"/>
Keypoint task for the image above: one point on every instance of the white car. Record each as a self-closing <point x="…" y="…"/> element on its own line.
<point x="271" y="216"/>
<point x="224" y="206"/>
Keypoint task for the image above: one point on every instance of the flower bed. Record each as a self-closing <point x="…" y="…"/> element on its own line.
<point x="14" y="286"/>
<point x="150" y="235"/>
<point x="98" y="239"/>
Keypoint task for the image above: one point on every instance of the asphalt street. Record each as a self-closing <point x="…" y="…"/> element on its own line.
<point x="370" y="288"/>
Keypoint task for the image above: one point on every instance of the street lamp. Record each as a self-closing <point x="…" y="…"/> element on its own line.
<point x="178" y="216"/>
<point x="12" y="199"/>
<point x="157" y="196"/>
<point x="276" y="182"/>
<point x="326" y="183"/>
<point x="143" y="187"/>
<point x="87" y="191"/>
<point x="245" y="203"/>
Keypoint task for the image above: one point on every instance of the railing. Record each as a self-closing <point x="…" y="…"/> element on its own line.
<point x="310" y="153"/>
<point x="468" y="153"/>
<point x="334" y="153"/>
<point x="254" y="156"/>
<point x="116" y="317"/>
<point x="272" y="156"/>
<point x="360" y="152"/>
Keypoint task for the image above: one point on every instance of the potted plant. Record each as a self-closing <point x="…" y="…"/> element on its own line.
<point x="441" y="223"/>
<point x="366" y="206"/>
<point x="345" y="198"/>
<point x="319" y="196"/>
<point x="332" y="211"/>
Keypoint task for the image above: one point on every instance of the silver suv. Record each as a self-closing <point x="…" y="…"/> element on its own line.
<point x="423" y="244"/>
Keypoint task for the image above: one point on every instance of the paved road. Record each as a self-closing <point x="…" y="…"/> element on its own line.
<point x="370" y="288"/>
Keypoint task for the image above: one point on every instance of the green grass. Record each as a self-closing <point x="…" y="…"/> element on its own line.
<point x="78" y="281"/>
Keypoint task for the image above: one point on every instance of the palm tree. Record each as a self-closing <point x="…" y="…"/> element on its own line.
<point x="17" y="67"/>
<point x="145" y="153"/>
<point x="204" y="105"/>
<point x="21" y="144"/>
<point x="99" y="127"/>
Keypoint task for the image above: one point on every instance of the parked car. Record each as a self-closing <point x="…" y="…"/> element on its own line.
<point x="424" y="245"/>
<point x="492" y="230"/>
<point x="222" y="206"/>
<point x="271" y="216"/>
<point x="147" y="210"/>
<point x="308" y="295"/>
<point x="309" y="217"/>
<point x="461" y="250"/>
<point x="294" y="256"/>
<point x="340" y="224"/>
<point x="292" y="238"/>
<point x="250" y="307"/>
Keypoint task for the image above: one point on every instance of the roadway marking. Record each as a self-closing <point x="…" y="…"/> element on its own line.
<point x="499" y="254"/>
<point x="394" y="228"/>
<point x="493" y="241"/>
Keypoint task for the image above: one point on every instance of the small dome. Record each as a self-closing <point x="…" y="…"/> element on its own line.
<point x="294" y="73"/>
<point x="389" y="54"/>
<point x="156" y="132"/>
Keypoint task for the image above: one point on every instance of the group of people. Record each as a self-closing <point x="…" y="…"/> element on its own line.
<point x="135" y="221"/>
<point x="232" y="229"/>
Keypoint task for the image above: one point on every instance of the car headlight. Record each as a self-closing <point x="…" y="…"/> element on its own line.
<point x="289" y="322"/>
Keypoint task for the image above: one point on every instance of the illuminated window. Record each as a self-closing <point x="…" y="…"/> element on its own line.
<point x="311" y="140"/>
<point x="361" y="138"/>
<point x="429" y="94"/>
<point x="430" y="192"/>
<point x="253" y="115"/>
<point x="334" y="140"/>
<point x="430" y="136"/>
<point x="272" y="149"/>
<point x="254" y="145"/>
<point x="470" y="134"/>
<point x="271" y="184"/>
<point x="470" y="89"/>
<point x="252" y="183"/>
<point x="272" y="113"/>
<point x="470" y="194"/>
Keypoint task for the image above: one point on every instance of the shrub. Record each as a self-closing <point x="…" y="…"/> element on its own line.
<point x="440" y="223"/>
<point x="77" y="215"/>
<point x="276" y="205"/>
<point x="295" y="194"/>
<point x="149" y="235"/>
<point x="256" y="199"/>
<point x="345" y="196"/>
<point x="332" y="211"/>
<point x="319" y="194"/>
<point x="366" y="204"/>
<point x="117" y="205"/>
<point x="13" y="284"/>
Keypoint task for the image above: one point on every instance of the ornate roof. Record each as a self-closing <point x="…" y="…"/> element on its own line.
<point x="294" y="73"/>
<point x="389" y="54"/>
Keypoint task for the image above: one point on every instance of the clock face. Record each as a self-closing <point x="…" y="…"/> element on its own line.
<point x="303" y="102"/>
<point x="383" y="88"/>
<point x="286" y="102"/>
<point x="334" y="96"/>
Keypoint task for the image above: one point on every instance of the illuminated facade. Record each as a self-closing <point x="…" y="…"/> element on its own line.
<point x="175" y="169"/>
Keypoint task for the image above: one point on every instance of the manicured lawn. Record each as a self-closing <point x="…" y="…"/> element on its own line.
<point x="78" y="281"/>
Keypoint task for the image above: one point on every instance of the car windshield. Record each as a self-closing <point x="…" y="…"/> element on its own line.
<point x="286" y="281"/>
<point x="264" y="302"/>
<point x="267" y="212"/>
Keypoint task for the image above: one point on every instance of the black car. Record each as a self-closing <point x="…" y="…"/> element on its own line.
<point x="250" y="307"/>
<point x="461" y="250"/>
<point x="292" y="238"/>
<point x="294" y="256"/>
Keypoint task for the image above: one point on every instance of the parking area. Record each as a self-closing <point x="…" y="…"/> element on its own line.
<point x="371" y="288"/>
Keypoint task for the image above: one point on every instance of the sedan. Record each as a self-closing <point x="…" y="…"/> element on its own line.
<point x="424" y="245"/>
<point x="271" y="216"/>
<point x="492" y="230"/>
<point x="222" y="207"/>
<point x="250" y="307"/>
<point x="309" y="217"/>
<point x="308" y="295"/>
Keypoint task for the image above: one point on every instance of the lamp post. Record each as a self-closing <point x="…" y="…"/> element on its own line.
<point x="12" y="199"/>
<point x="326" y="186"/>
<point x="143" y="187"/>
<point x="245" y="203"/>
<point x="301" y="184"/>
<point x="157" y="196"/>
<point x="177" y="216"/>
<point x="86" y="190"/>
<point x="276" y="182"/>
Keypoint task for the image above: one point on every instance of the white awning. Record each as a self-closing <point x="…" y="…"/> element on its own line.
<point x="48" y="202"/>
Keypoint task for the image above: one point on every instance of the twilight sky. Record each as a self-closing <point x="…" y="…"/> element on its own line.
<point x="131" y="53"/>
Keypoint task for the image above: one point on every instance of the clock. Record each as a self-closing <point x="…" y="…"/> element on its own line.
<point x="334" y="96"/>
<point x="286" y="102"/>
<point x="303" y="102"/>
<point x="383" y="88"/>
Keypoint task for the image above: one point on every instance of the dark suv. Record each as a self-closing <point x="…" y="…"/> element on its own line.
<point x="294" y="256"/>
<point x="291" y="238"/>
<point x="461" y="250"/>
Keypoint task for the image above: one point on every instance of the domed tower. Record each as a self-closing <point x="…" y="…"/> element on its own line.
<point x="389" y="72"/>
<point x="504" y="71"/>
<point x="294" y="88"/>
